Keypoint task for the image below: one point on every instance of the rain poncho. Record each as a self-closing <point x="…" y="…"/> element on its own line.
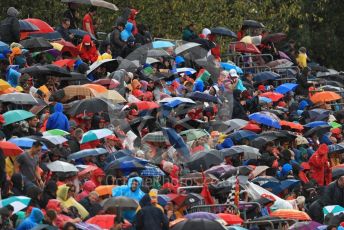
<point x="126" y="33"/>
<point x="320" y="169"/>
<point x="204" y="76"/>
<point x="58" y="120"/>
<point x="32" y="221"/>
<point x="12" y="77"/>
<point x="88" y="187"/>
<point x="88" y="50"/>
<point x="62" y="193"/>
<point x="125" y="190"/>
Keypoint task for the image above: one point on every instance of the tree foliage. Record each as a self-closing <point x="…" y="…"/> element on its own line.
<point x="313" y="24"/>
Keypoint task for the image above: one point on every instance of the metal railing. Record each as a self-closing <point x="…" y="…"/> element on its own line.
<point x="255" y="69"/>
<point x="188" y="188"/>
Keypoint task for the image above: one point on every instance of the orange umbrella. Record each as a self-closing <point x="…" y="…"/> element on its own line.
<point x="77" y="91"/>
<point x="291" y="214"/>
<point x="291" y="125"/>
<point x="325" y="96"/>
<point x="4" y="85"/>
<point x="146" y="105"/>
<point x="273" y="96"/>
<point x="252" y="127"/>
<point x="8" y="90"/>
<point x="65" y="63"/>
<point x="97" y="88"/>
<point x="230" y="219"/>
<point x="103" y="190"/>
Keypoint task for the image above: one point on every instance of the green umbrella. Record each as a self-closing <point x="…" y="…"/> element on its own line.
<point x="335" y="209"/>
<point x="16" y="115"/>
<point x="194" y="134"/>
<point x="55" y="132"/>
<point x="95" y="134"/>
<point x="17" y="202"/>
<point x="335" y="125"/>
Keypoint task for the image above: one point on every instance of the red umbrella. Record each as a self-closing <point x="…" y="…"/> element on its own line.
<point x="68" y="47"/>
<point x="230" y="219"/>
<point x="43" y="27"/>
<point x="105" y="221"/>
<point x="273" y="96"/>
<point x="10" y="149"/>
<point x="146" y="105"/>
<point x="243" y="47"/>
<point x="291" y="125"/>
<point x="178" y="199"/>
<point x="252" y="127"/>
<point x="65" y="63"/>
<point x="276" y="37"/>
<point x="108" y="83"/>
<point x="90" y="168"/>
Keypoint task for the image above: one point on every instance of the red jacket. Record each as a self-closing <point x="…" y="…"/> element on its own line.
<point x="88" y="53"/>
<point x="320" y="166"/>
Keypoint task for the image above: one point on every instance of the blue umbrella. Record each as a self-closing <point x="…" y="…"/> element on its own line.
<point x="131" y="158"/>
<point x="3" y="47"/>
<point x="315" y="124"/>
<point x="286" y="87"/>
<point x="265" y="76"/>
<point x="162" y="44"/>
<point x="118" y="154"/>
<point x="175" y="101"/>
<point x="282" y="185"/>
<point x="25" y="142"/>
<point x="26" y="26"/>
<point x="87" y="153"/>
<point x="242" y="134"/>
<point x="125" y="166"/>
<point x="336" y="148"/>
<point x="264" y="100"/>
<point x="228" y="66"/>
<point x="266" y="118"/>
<point x="151" y="171"/>
<point x="203" y="97"/>
<point x="177" y="142"/>
<point x="318" y="114"/>
<point x="163" y="199"/>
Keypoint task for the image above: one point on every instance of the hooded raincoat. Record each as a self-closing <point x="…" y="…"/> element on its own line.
<point x="125" y="190"/>
<point x="126" y="33"/>
<point x="32" y="221"/>
<point x="58" y="120"/>
<point x="320" y="166"/>
<point x="88" y="50"/>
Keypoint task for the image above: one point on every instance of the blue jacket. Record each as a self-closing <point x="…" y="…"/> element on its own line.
<point x="58" y="120"/>
<point x="12" y="77"/>
<point x="32" y="221"/>
<point x="126" y="33"/>
<point x="125" y="190"/>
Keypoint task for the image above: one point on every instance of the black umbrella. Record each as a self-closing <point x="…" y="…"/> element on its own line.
<point x="203" y="97"/>
<point x="231" y="152"/>
<point x="265" y="76"/>
<point x="199" y="224"/>
<point x="276" y="37"/>
<point x="337" y="172"/>
<point x="223" y="31"/>
<point x="186" y="47"/>
<point x="127" y="65"/>
<point x="318" y="130"/>
<point x="49" y="36"/>
<point x="281" y="134"/>
<point x="109" y="64"/>
<point x="46" y="70"/>
<point x="26" y="26"/>
<point x="21" y="98"/>
<point x="36" y="44"/>
<point x="259" y="142"/>
<point x="92" y="105"/>
<point x="253" y="24"/>
<point x="204" y="160"/>
<point x="121" y="202"/>
<point x="317" y="114"/>
<point x="81" y="33"/>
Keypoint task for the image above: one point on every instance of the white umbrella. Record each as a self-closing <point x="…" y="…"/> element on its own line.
<point x="235" y="124"/>
<point x="182" y="99"/>
<point x="95" y="134"/>
<point x="249" y="152"/>
<point x="97" y="64"/>
<point x="61" y="166"/>
<point x="56" y="140"/>
<point x="151" y="60"/>
<point x="186" y="47"/>
<point x="99" y="3"/>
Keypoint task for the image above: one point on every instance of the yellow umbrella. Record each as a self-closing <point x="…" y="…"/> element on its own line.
<point x="4" y="85"/>
<point x="57" y="46"/>
<point x="112" y="95"/>
<point x="247" y="39"/>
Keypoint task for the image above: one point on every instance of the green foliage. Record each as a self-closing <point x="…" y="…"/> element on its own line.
<point x="313" y="24"/>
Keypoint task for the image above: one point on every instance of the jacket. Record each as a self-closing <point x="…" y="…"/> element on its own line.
<point x="88" y="53"/>
<point x="238" y="110"/>
<point x="93" y="209"/>
<point x="125" y="190"/>
<point x="126" y="33"/>
<point x="320" y="168"/>
<point x="188" y="34"/>
<point x="88" y="187"/>
<point x="116" y="44"/>
<point x="61" y="219"/>
<point x="58" y="120"/>
<point x="333" y="195"/>
<point x="32" y="221"/>
<point x="9" y="27"/>
<point x="150" y="217"/>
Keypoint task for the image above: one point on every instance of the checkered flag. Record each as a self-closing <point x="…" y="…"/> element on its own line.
<point x="233" y="197"/>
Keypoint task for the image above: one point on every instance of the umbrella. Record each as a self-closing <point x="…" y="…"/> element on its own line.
<point x="336" y="148"/>
<point x="199" y="224"/>
<point x="203" y="160"/>
<point x="266" y="118"/>
<point x="61" y="166"/>
<point x="10" y="149"/>
<point x="108" y="83"/>
<point x="177" y="142"/>
<point x="124" y="165"/>
<point x="36" y="44"/>
<point x="290" y="214"/>
<point x="110" y="65"/>
<point x="95" y="134"/>
<point x="20" y="98"/>
<point x="92" y="105"/>
<point x="64" y="46"/>
<point x="259" y="142"/>
<point x="81" y="33"/>
<point x="231" y="219"/>
<point x="249" y="152"/>
<point x="48" y="227"/>
<point x="264" y="100"/>
<point x="242" y="47"/>
<point x="48" y="36"/>
<point x="121" y="202"/>
<point x="162" y="44"/>
<point x="280" y="134"/>
<point x="291" y="125"/>
<point x="185" y="47"/>
<point x="203" y="97"/>
<point x="188" y="71"/>
<point x="14" y="116"/>
<point x="314" y="124"/>
<point x="17" y="202"/>
<point x="96" y="88"/>
<point x="325" y="96"/>
<point x="307" y="225"/>
<point x="235" y="124"/>
<point x="157" y="53"/>
<point x="173" y="102"/>
<point x="275" y="37"/>
<point x="86" y="169"/>
<point x="286" y="87"/>
<point x="56" y="140"/>
<point x="228" y="66"/>
<point x="25" y="142"/>
<point x="223" y="31"/>
<point x="99" y="3"/>
<point x="318" y="114"/>
<point x="194" y="134"/>
<point x="26" y="26"/>
<point x="242" y="134"/>
<point x="265" y="76"/>
<point x="55" y="132"/>
<point x="155" y="137"/>
<point x="43" y="27"/>
<point x="4" y="84"/>
<point x="151" y="60"/>
<point x="65" y="63"/>
<point x="334" y="209"/>
<point x="202" y="215"/>
<point x="104" y="221"/>
<point x="152" y="171"/>
<point x="277" y="188"/>
<point x="146" y="105"/>
<point x="87" y="153"/>
<point x="4" y="46"/>
<point x="252" y="127"/>
<point x="253" y="24"/>
<point x="113" y="96"/>
<point x="337" y="171"/>
<point x="318" y="130"/>
<point x="46" y="70"/>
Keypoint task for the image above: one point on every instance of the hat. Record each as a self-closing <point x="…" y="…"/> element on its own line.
<point x="261" y="87"/>
<point x="179" y="59"/>
<point x="233" y="73"/>
<point x="206" y="31"/>
<point x="282" y="104"/>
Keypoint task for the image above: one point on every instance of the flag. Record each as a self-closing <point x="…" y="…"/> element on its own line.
<point x="233" y="197"/>
<point x="208" y="199"/>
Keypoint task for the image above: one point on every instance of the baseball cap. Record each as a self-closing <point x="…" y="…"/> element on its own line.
<point x="233" y="73"/>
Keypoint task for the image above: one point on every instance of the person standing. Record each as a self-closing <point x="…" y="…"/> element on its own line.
<point x="63" y="29"/>
<point x="9" y="27"/>
<point x="87" y="22"/>
<point x="116" y="44"/>
<point x="72" y="15"/>
<point x="27" y="164"/>
<point x="58" y="120"/>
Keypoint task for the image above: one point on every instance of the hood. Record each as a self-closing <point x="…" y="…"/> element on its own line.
<point x="227" y="143"/>
<point x="323" y="149"/>
<point x="89" y="186"/>
<point x="138" y="179"/>
<point x="36" y="215"/>
<point x="133" y="13"/>
<point x="17" y="181"/>
<point x="13" y="77"/>
<point x="135" y="84"/>
<point x="204" y="75"/>
<point x="286" y="169"/>
<point x="58" y="108"/>
<point x="145" y="201"/>
<point x="53" y="204"/>
<point x="129" y="27"/>
<point x="33" y="192"/>
<point x="236" y="94"/>
<point x="12" y="12"/>
<point x="51" y="188"/>
<point x="86" y="39"/>
<point x="62" y="192"/>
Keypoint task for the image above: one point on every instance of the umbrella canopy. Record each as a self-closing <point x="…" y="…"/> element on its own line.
<point x="4" y="46"/>
<point x="78" y="33"/>
<point x="95" y="134"/>
<point x="55" y="132"/>
<point x="231" y="219"/>
<point x="229" y="66"/>
<point x="16" y="115"/>
<point x="10" y="149"/>
<point x="36" y="44"/>
<point x="235" y="124"/>
<point x="194" y="134"/>
<point x="291" y="125"/>
<point x="108" y="83"/>
<point x="177" y="142"/>
<point x="64" y="46"/>
<point x="103" y="221"/>
<point x="157" y="53"/>
<point x="65" y="63"/>
<point x="223" y="31"/>
<point x="279" y="134"/>
<point x="122" y="202"/>
<point x="155" y="137"/>
<point x="265" y="76"/>
<point x="325" y="96"/>
<point x="17" y="202"/>
<point x="334" y="209"/>
<point x="253" y="24"/>
<point x="307" y="225"/>
<point x="186" y="47"/>
<point x="314" y="124"/>
<point x="202" y="215"/>
<point x="152" y="171"/>
<point x="87" y="153"/>
<point x="318" y="114"/>
<point x="286" y="87"/>
<point x="56" y="140"/>
<point x="318" y="130"/>
<point x="20" y="98"/>
<point x="266" y="118"/>
<point x="203" y="97"/>
<point x="26" y="26"/>
<point x="290" y="214"/>
<point x="124" y="165"/>
<point x="204" y="160"/>
<point x="282" y="185"/>
<point x="61" y="166"/>
<point x="99" y="3"/>
<point x="113" y="96"/>
<point x="104" y="190"/>
<point x="273" y="96"/>
<point x="173" y="102"/>
<point x="42" y="26"/>
<point x="275" y="38"/>
<point x="162" y="44"/>
<point x="92" y="105"/>
<point x="146" y="105"/>
<point x="242" y="47"/>
<point x="110" y="65"/>
<point x="4" y="84"/>
<point x="46" y="70"/>
<point x="242" y="134"/>
<point x="259" y="142"/>
<point x="25" y="142"/>
<point x="199" y="224"/>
